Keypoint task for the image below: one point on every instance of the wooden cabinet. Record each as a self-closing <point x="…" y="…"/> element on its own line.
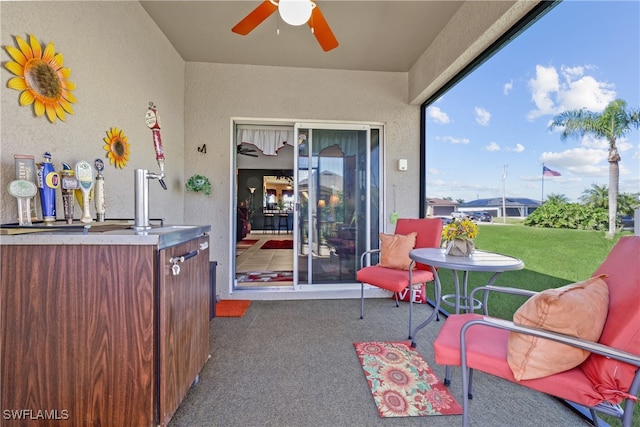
<point x="184" y="321"/>
<point x="100" y="334"/>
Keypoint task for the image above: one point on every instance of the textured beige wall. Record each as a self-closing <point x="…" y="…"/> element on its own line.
<point x="119" y="61"/>
<point x="216" y="93"/>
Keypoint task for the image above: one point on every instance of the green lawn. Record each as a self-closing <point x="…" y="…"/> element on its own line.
<point x="552" y="258"/>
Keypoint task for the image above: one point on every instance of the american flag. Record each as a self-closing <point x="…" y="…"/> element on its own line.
<point x="548" y="172"/>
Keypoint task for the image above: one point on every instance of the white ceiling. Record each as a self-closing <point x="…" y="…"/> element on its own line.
<point x="372" y="35"/>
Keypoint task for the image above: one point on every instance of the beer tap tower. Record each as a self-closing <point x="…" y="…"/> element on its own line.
<point x="142" y="175"/>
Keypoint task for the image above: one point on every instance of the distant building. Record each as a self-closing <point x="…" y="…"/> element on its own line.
<point x="514" y="206"/>
<point x="441" y="207"/>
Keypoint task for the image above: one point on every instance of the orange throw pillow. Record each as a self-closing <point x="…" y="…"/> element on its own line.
<point x="394" y="250"/>
<point x="579" y="310"/>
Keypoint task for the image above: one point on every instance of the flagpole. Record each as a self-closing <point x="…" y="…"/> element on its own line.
<point x="542" y="197"/>
<point x="504" y="186"/>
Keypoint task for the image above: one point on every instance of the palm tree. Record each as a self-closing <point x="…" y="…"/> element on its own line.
<point x="614" y="122"/>
<point x="597" y="196"/>
<point x="558" y="199"/>
<point x="627" y="203"/>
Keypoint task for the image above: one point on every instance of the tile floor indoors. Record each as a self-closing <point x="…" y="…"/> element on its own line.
<point x="256" y="259"/>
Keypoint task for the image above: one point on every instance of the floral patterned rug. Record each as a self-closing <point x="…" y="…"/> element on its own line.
<point x="265" y="276"/>
<point x="402" y="383"/>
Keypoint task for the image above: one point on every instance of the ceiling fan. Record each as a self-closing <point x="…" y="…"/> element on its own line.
<point x="246" y="151"/>
<point x="293" y="12"/>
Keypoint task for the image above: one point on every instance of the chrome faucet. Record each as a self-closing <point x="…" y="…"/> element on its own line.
<point x="141" y="196"/>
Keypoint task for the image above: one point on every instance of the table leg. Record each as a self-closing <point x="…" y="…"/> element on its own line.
<point x="465" y="294"/>
<point x="436" y="308"/>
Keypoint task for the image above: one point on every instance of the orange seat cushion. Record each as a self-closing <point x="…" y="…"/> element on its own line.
<point x="395" y="248"/>
<point x="578" y="310"/>
<point x="391" y="279"/>
<point x="487" y="352"/>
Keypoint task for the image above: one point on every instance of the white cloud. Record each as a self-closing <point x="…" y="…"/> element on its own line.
<point x="572" y="72"/>
<point x="434" y="171"/>
<point x="437" y="115"/>
<point x="519" y="148"/>
<point x="545" y="83"/>
<point x="587" y="93"/>
<point x="492" y="147"/>
<point x="590" y="141"/>
<point x="624" y="146"/>
<point x="507" y="87"/>
<point x="453" y="140"/>
<point x="482" y="116"/>
<point x="575" y="90"/>
<point x="581" y="161"/>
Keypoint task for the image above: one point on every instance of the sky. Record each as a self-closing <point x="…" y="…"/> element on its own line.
<point x="495" y="122"/>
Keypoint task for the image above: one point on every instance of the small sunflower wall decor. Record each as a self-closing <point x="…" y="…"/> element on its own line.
<point x="41" y="78"/>
<point x="117" y="147"/>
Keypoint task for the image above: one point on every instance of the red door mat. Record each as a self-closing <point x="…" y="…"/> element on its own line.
<point x="232" y="308"/>
<point x="278" y="244"/>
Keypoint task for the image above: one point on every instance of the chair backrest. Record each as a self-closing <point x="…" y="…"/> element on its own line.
<point x="429" y="232"/>
<point x="622" y="327"/>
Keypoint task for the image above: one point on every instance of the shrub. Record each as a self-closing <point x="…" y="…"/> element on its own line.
<point x="569" y="215"/>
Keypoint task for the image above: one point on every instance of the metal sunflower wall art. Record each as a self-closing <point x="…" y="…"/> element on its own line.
<point x="117" y="147"/>
<point x="41" y="77"/>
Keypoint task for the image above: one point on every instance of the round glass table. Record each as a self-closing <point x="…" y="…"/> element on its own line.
<point x="478" y="261"/>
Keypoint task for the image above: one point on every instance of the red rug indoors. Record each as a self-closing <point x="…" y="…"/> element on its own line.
<point x="278" y="244"/>
<point x="244" y="244"/>
<point x="247" y="243"/>
<point x="232" y="308"/>
<point x="402" y="383"/>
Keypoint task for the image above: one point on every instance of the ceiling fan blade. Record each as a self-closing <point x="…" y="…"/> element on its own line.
<point x="255" y="18"/>
<point x="321" y="30"/>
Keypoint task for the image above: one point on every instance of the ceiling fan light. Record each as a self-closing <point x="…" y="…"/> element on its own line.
<point x="295" y="12"/>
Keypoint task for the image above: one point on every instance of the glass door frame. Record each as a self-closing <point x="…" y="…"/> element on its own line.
<point x="233" y="191"/>
<point x="297" y="211"/>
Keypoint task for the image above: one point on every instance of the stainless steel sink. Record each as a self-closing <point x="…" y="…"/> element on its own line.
<point x="169" y="228"/>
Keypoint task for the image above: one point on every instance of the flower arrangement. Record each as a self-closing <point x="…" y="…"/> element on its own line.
<point x="199" y="183"/>
<point x="460" y="229"/>
<point x="458" y="237"/>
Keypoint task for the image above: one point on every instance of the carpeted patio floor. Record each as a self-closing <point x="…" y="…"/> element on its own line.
<point x="292" y="363"/>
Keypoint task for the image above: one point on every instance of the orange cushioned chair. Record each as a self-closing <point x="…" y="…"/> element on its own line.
<point x="393" y="273"/>
<point x="606" y="378"/>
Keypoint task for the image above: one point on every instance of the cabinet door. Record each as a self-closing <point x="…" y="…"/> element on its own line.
<point x="77" y="337"/>
<point x="184" y="321"/>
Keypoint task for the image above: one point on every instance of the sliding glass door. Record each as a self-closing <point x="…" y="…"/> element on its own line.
<point x="337" y="200"/>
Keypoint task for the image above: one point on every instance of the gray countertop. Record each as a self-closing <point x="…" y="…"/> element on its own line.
<point x="105" y="233"/>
